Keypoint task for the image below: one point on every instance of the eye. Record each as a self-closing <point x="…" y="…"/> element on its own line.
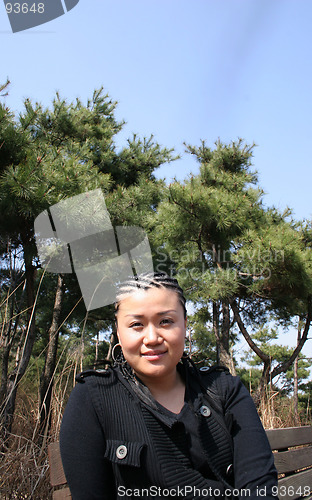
<point x="166" y="321"/>
<point x="135" y="324"/>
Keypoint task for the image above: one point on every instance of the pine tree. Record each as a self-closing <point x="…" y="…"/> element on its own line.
<point x="236" y="259"/>
<point x="48" y="155"/>
<point x="198" y="225"/>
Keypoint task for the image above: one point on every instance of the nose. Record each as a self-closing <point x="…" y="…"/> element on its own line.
<point x="152" y="336"/>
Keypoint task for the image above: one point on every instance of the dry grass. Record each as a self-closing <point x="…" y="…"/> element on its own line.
<point x="24" y="464"/>
<point x="24" y="468"/>
<point x="277" y="412"/>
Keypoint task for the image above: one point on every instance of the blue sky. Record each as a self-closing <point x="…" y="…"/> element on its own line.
<point x="184" y="70"/>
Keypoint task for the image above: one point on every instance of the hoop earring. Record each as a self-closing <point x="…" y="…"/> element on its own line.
<point x="119" y="359"/>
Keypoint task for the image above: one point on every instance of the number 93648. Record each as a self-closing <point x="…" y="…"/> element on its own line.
<point x="290" y="491"/>
<point x="24" y="8"/>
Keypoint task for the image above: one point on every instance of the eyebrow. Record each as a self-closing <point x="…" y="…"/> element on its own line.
<point x="162" y="313"/>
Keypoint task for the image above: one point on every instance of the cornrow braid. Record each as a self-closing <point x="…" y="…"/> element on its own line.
<point x="145" y="282"/>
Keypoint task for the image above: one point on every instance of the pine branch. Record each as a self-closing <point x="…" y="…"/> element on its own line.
<point x="283" y="367"/>
<point x="265" y="358"/>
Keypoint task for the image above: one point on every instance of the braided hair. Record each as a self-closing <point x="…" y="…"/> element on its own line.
<point x="147" y="281"/>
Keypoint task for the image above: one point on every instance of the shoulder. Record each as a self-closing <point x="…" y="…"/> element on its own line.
<point x="210" y="374"/>
<point x="215" y="369"/>
<point x="87" y="380"/>
<point x="102" y="384"/>
<point x="94" y="384"/>
<point x="97" y="389"/>
<point x="218" y="379"/>
<point x="92" y="375"/>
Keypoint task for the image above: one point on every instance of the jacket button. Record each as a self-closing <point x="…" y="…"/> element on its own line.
<point x="205" y="411"/>
<point x="121" y="451"/>
<point x="229" y="469"/>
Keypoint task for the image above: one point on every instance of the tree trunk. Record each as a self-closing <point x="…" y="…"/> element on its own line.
<point x="46" y="380"/>
<point x="267" y="375"/>
<point x="215" y="324"/>
<point x="16" y="375"/>
<point x="296" y="413"/>
<point x="6" y="344"/>
<point x="4" y="373"/>
<point x="224" y="356"/>
<point x="113" y="341"/>
<point x="96" y="359"/>
<point x="226" y="353"/>
<point x="260" y="394"/>
<point x="8" y="338"/>
<point x="283" y="367"/>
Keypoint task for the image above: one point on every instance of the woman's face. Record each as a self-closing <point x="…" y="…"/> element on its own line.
<point x="151" y="330"/>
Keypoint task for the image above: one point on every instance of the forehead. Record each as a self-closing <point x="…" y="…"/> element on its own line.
<point x="152" y="299"/>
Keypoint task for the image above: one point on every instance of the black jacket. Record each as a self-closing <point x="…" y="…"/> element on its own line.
<point x="114" y="444"/>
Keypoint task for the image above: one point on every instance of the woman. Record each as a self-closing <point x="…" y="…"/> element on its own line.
<point x="153" y="426"/>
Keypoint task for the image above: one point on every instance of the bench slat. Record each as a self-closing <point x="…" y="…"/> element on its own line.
<point x="289" y="436"/>
<point x="62" y="494"/>
<point x="57" y="475"/>
<point x="289" y="487"/>
<point x="289" y="461"/>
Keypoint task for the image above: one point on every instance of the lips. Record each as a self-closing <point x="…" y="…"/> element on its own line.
<point x="153" y="355"/>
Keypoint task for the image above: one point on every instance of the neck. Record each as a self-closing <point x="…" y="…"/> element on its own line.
<point x="168" y="391"/>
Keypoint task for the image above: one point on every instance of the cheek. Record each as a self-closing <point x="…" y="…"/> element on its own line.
<point x="178" y="339"/>
<point x="129" y="342"/>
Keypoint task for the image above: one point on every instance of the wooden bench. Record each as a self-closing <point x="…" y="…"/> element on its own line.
<point x="292" y="447"/>
<point x="293" y="460"/>
<point x="57" y="476"/>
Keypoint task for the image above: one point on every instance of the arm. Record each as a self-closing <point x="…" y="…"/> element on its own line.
<point x="89" y="475"/>
<point x="253" y="459"/>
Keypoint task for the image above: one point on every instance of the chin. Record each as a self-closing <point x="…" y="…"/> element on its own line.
<point x="156" y="371"/>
